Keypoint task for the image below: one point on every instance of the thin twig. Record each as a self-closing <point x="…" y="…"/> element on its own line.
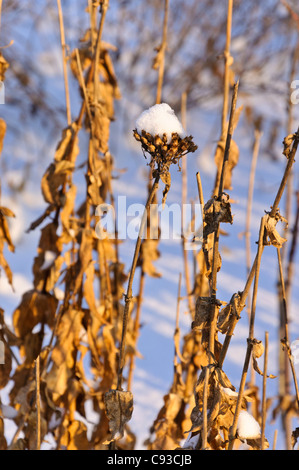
<point x="38" y="415"/>
<point x="232" y="435"/>
<point x="286" y="174"/>
<point x="177" y="316"/>
<point x="128" y="296"/>
<point x="205" y="407"/>
<point x="264" y="410"/>
<point x="228" y="138"/>
<point x="227" y="63"/>
<point x="104" y="8"/>
<point x="256" y="145"/>
<point x="64" y="64"/>
<point x="291" y="257"/>
<point x="286" y="324"/>
<point x="250" y="278"/>
<point x="184" y="202"/>
<point x="162" y="50"/>
<point x="275" y="439"/>
<point x="213" y="319"/>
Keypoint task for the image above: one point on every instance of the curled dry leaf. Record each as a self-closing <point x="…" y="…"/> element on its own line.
<point x="258" y="351"/>
<point x="119" y="409"/>
<point x="271" y="236"/>
<point x="233" y="156"/>
<point x="64" y="163"/>
<point x="6" y="366"/>
<point x="295" y="437"/>
<point x="5" y="239"/>
<point x="63" y="354"/>
<point x="287" y="144"/>
<point x="148" y="254"/>
<point x="230" y="313"/>
<point x="203" y="311"/>
<point x="216" y="211"/>
<point x="75" y="436"/>
<point x="3" y="67"/>
<point x="168" y="424"/>
<point x="2" y="133"/>
<point x="35" y="307"/>
<point x="233" y="159"/>
<point x="210" y="256"/>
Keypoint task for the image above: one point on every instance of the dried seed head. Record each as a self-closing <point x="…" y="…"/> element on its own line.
<point x="163" y="154"/>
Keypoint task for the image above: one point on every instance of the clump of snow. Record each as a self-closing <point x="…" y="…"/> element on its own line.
<point x="229" y="392"/>
<point x="49" y="259"/>
<point x="158" y="120"/>
<point x="248" y="427"/>
<point x="191" y="441"/>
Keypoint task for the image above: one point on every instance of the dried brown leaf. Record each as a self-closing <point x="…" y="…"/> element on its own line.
<point x="215" y="212"/>
<point x="233" y="159"/>
<point x="287" y="144"/>
<point x="272" y="237"/>
<point x="295" y="437"/>
<point x="35" y="307"/>
<point x="119" y="409"/>
<point x="3" y="67"/>
<point x="2" y="133"/>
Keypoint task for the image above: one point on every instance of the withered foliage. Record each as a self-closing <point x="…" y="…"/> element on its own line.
<point x="71" y="319"/>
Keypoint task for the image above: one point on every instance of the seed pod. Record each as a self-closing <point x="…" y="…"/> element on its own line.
<point x="158" y="140"/>
<point x="136" y="135"/>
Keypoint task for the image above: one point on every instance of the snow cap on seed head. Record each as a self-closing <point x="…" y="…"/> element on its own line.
<point x="158" y="120"/>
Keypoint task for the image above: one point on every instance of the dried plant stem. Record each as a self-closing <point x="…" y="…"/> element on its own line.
<point x="142" y="274"/>
<point x="184" y="202"/>
<point x="205" y="408"/>
<point x="128" y="296"/>
<point x="136" y="326"/>
<point x="228" y="138"/>
<point x="213" y="286"/>
<point x="286" y="323"/>
<point x="232" y="435"/>
<point x="250" y="277"/>
<point x="0" y="12"/>
<point x="104" y="8"/>
<point x="290" y="105"/>
<point x="256" y="145"/>
<point x="274" y="439"/>
<point x="64" y="63"/>
<point x="177" y="316"/>
<point x="200" y="193"/>
<point x="290" y="266"/>
<point x="227" y="63"/>
<point x="38" y="410"/>
<point x="162" y="53"/>
<point x="264" y="410"/>
<point x="286" y="175"/>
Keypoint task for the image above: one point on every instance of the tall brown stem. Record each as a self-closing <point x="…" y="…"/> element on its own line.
<point x="128" y="296"/>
